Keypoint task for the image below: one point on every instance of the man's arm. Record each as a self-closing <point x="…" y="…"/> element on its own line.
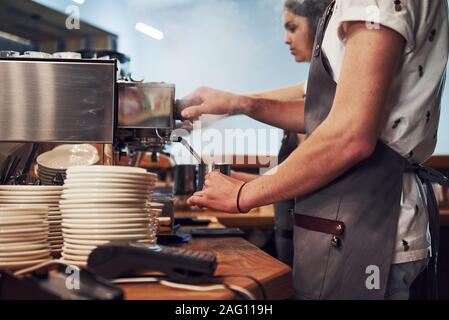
<point x="348" y="136"/>
<point x="350" y="133"/>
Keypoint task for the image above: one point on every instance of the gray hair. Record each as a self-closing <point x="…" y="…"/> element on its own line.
<point x="311" y="9"/>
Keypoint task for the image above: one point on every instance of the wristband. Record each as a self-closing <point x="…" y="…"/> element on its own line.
<point x="238" y="198"/>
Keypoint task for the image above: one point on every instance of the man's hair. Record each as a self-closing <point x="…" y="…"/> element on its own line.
<point x="311" y="9"/>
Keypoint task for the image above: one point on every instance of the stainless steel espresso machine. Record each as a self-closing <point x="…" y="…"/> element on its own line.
<point x="48" y="100"/>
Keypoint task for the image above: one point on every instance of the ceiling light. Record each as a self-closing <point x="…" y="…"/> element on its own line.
<point x="149" y="31"/>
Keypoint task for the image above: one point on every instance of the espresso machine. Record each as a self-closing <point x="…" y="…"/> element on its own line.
<point x="54" y="100"/>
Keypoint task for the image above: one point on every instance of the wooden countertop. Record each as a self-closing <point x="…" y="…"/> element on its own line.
<point x="261" y="218"/>
<point x="235" y="256"/>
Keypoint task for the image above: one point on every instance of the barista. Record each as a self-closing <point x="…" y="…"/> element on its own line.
<point x="361" y="212"/>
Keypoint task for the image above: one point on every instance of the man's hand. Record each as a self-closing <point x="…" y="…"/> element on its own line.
<point x="219" y="193"/>
<point x="210" y="101"/>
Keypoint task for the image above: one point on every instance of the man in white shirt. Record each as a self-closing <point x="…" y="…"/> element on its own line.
<point x="385" y="65"/>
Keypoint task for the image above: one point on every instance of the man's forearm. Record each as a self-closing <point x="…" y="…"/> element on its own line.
<point x="242" y="176"/>
<point x="315" y="163"/>
<point x="287" y="115"/>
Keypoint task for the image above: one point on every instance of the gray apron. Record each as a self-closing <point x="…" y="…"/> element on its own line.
<point x="283" y="229"/>
<point x="344" y="235"/>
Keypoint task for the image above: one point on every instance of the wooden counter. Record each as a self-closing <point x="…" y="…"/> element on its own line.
<point x="235" y="256"/>
<point x="261" y="218"/>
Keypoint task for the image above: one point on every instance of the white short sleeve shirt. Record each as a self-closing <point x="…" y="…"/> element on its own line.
<point x="411" y="125"/>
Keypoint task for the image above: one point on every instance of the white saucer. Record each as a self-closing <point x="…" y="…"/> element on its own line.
<point x="10" y="232"/>
<point x="122" y="176"/>
<point x="106" y="237"/>
<point x="84" y="200"/>
<point x="16" y="222"/>
<point x="22" y="217"/>
<point x="38" y="198"/>
<point x="31" y="188"/>
<point x="24" y="247"/>
<point x="107" y="169"/>
<point x="80" y="247"/>
<point x="91" y="184"/>
<point x="70" y="251"/>
<point x="86" y="242"/>
<point x="106" y="191"/>
<point x="89" y="217"/>
<point x="141" y="196"/>
<point x="82" y="206"/>
<point x="21" y="201"/>
<point x="11" y="216"/>
<point x="24" y="237"/>
<point x="25" y="257"/>
<point x="105" y="226"/>
<point x="83" y="244"/>
<point x="109" y="210"/>
<point x="30" y="193"/>
<point x="70" y="257"/>
<point x="74" y="263"/>
<point x="20" y="253"/>
<point x="101" y="231"/>
<point x="63" y="158"/>
<point x="23" y="209"/>
<point x="22" y="264"/>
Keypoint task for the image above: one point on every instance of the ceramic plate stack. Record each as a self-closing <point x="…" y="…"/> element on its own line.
<point x="23" y="236"/>
<point x="47" y="196"/>
<point x="52" y="165"/>
<point x="105" y="203"/>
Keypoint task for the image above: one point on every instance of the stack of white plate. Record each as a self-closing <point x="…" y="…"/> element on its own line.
<point x="105" y="203"/>
<point x="54" y="164"/>
<point x="23" y="237"/>
<point x="47" y="196"/>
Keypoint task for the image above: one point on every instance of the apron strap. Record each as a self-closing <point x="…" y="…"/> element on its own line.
<point x="427" y="177"/>
<point x="324" y="21"/>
